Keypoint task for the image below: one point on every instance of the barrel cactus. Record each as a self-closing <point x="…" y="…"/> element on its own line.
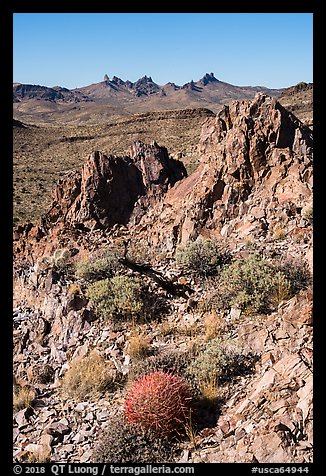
<point x="161" y="402"/>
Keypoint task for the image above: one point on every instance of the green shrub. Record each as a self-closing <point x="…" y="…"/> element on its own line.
<point x="208" y="364"/>
<point x="120" y="296"/>
<point x="203" y="258"/>
<point x="253" y="284"/>
<point x="218" y="362"/>
<point x="92" y="269"/>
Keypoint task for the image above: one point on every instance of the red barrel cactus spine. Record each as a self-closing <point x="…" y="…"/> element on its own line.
<point x="161" y="402"/>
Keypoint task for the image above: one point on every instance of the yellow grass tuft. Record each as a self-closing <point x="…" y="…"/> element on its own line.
<point x="88" y="376"/>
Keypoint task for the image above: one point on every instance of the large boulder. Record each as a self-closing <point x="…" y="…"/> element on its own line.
<point x="113" y="190"/>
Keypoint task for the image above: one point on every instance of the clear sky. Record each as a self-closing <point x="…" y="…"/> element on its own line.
<point x="245" y="49"/>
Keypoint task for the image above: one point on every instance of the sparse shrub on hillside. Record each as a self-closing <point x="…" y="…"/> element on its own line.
<point x="93" y="269"/>
<point x="214" y="325"/>
<point x="60" y="257"/>
<point x="159" y="402"/>
<point x="296" y="272"/>
<point x="139" y="345"/>
<point x="208" y="365"/>
<point x="252" y="284"/>
<point x="216" y="364"/>
<point x="89" y="376"/>
<point x="203" y="258"/>
<point x="120" y="296"/>
<point x="121" y="442"/>
<point x="279" y="233"/>
<point x="60" y="261"/>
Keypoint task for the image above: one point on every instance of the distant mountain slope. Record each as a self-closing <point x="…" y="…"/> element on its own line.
<point x="23" y="92"/>
<point x="112" y="97"/>
<point x="299" y="100"/>
<point x="208" y="88"/>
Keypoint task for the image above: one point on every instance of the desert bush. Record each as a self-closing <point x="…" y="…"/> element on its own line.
<point x="296" y="272"/>
<point x="253" y="284"/>
<point x="307" y="214"/>
<point x="121" y="442"/>
<point x="89" y="376"/>
<point x="120" y="296"/>
<point x="217" y="363"/>
<point x="93" y="269"/>
<point x="203" y="258"/>
<point x="159" y="402"/>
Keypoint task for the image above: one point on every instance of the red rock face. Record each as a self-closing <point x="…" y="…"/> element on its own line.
<point x="114" y="190"/>
<point x="256" y="174"/>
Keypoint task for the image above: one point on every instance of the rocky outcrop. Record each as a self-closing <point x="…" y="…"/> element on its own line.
<point x="113" y="190"/>
<point x="266" y="416"/>
<point x="255" y="177"/>
<point x="208" y="78"/>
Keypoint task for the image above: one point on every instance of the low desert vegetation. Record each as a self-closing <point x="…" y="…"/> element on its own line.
<point x="252" y="284"/>
<point x="118" y="297"/>
<point x="41" y="455"/>
<point x="308" y="213"/>
<point x="214" y="325"/>
<point x="89" y="376"/>
<point x="139" y="345"/>
<point x="216" y="363"/>
<point x="95" y="268"/>
<point x="122" y="442"/>
<point x="23" y="396"/>
<point x="202" y="258"/>
<point x="174" y="362"/>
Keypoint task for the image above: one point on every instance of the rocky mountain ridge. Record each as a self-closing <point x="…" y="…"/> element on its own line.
<point x="25" y="92"/>
<point x="114" y="95"/>
<point x="251" y="191"/>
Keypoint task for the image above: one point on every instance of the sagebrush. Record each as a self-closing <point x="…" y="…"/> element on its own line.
<point x="120" y="296"/>
<point x="202" y="258"/>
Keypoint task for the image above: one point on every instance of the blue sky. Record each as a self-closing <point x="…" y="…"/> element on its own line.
<point x="245" y="49"/>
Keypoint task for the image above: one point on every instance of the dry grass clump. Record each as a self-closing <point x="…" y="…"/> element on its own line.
<point x="139" y="345"/>
<point x="89" y="376"/>
<point x="23" y="396"/>
<point x="214" y="325"/>
<point x="41" y="455"/>
<point x="173" y="361"/>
